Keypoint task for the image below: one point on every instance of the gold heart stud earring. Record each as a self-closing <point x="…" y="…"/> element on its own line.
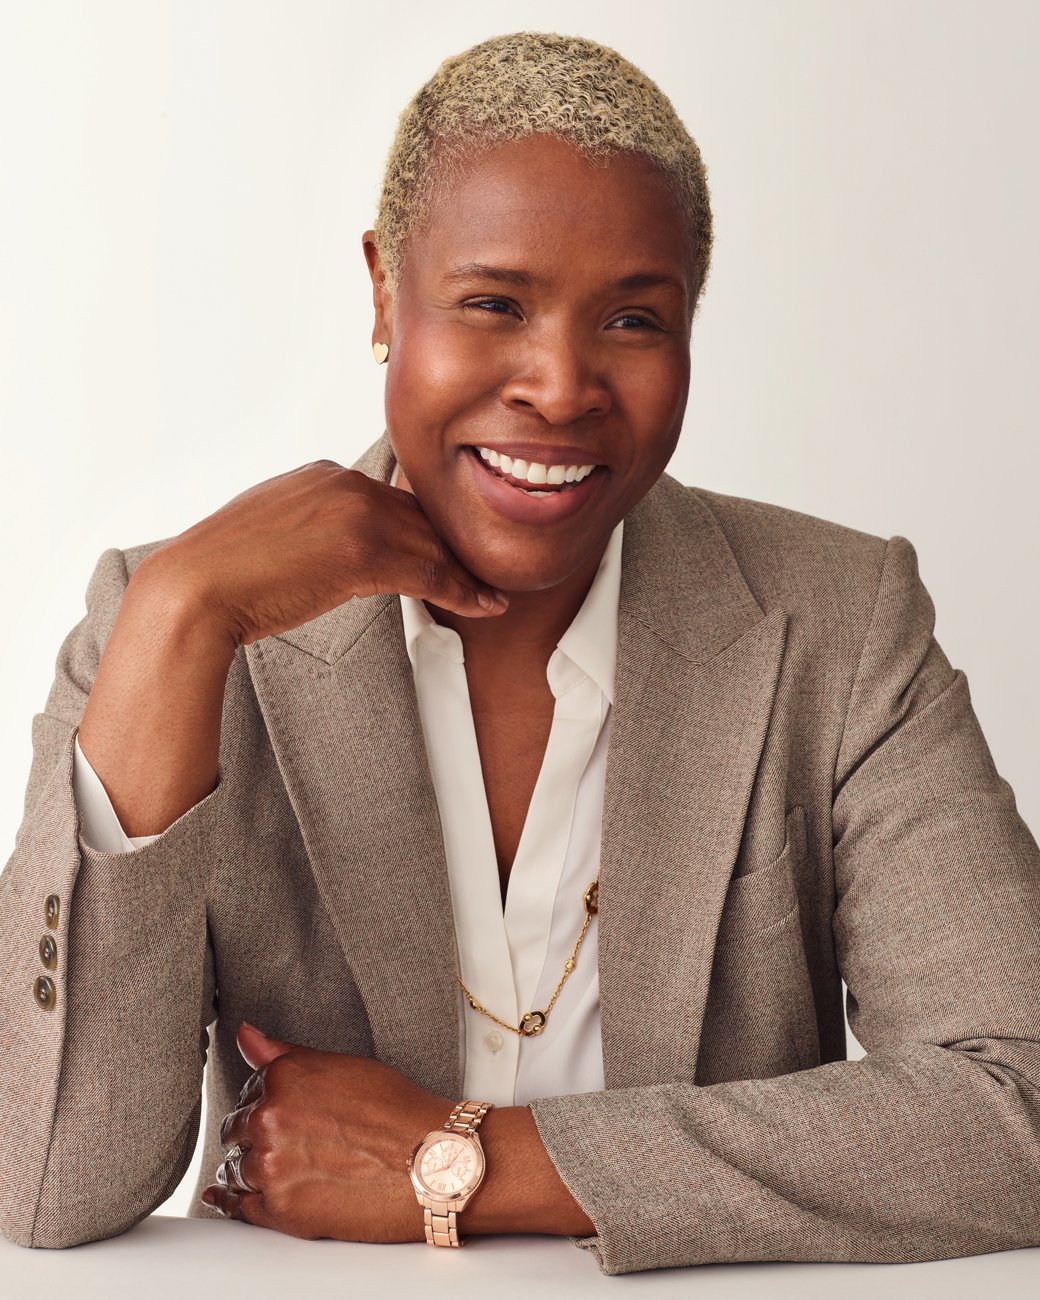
<point x="380" y="351"/>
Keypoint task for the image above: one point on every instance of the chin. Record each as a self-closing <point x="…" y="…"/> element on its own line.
<point x="510" y="577"/>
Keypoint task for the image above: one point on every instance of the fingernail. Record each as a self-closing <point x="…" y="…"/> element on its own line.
<point x="484" y="600"/>
<point x="501" y="596"/>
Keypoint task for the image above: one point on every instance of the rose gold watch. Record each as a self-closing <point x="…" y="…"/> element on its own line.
<point x="446" y="1168"/>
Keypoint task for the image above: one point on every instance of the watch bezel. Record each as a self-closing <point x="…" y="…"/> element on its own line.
<point x="441" y="1135"/>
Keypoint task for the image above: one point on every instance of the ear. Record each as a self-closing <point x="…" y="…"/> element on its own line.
<point x="382" y="298"/>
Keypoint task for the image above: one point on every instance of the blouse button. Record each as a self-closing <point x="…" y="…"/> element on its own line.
<point x="493" y="1041"/>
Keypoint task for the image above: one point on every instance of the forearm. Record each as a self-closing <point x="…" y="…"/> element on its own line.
<point x="521" y="1192"/>
<point x="151" y="725"/>
<point x="909" y="1154"/>
<point x="99" y="1101"/>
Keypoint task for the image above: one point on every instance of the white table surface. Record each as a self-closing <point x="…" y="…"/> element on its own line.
<point x="166" y="1258"/>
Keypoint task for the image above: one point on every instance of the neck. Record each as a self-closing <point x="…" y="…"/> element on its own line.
<point x="530" y="629"/>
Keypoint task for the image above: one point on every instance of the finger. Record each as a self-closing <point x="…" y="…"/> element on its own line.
<point x="240" y="1170"/>
<point x="234" y="1127"/>
<point x="222" y="1199"/>
<point x="258" y="1048"/>
<point x="441" y="579"/>
<point x="407" y="555"/>
<point x="252" y="1088"/>
<point x="247" y="1206"/>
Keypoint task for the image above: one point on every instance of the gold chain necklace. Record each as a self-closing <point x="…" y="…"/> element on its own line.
<point x="533" y="1022"/>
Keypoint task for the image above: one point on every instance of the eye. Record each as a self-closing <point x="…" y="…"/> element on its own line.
<point x="639" y="320"/>
<point x="490" y="306"/>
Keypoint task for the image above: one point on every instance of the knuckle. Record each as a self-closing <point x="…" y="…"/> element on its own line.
<point x="445" y="555"/>
<point x="361" y="548"/>
<point x="267" y="1164"/>
<point x="262" y="1138"/>
<point x="431" y="572"/>
<point x="350" y="482"/>
<point x="259" y="1121"/>
<point x="280" y="1067"/>
<point x="249" y="1088"/>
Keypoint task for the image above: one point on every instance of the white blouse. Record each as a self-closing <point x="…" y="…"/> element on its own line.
<point x="513" y="958"/>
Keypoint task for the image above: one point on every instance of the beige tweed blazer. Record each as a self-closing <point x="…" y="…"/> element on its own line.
<point x="798" y="791"/>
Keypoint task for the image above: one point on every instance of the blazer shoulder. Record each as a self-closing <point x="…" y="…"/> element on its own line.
<point x="798" y="561"/>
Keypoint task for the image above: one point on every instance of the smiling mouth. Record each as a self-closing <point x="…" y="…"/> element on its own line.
<point x="531" y="489"/>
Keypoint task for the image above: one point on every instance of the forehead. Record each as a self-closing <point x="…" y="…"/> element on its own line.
<point x="539" y="199"/>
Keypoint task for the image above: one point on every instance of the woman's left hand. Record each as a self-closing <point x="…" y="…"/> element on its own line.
<point x="326" y="1140"/>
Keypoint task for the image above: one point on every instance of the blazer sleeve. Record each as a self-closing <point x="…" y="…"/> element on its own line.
<point x="929" y="1146"/>
<point x="107" y="986"/>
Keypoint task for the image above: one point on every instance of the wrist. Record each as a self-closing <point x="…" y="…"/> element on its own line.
<point x="159" y="595"/>
<point x="521" y="1191"/>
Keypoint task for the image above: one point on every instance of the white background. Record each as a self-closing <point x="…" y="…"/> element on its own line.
<point x="185" y="311"/>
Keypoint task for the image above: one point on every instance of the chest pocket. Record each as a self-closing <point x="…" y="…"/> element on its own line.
<point x="760" y="1018"/>
<point x="767" y="896"/>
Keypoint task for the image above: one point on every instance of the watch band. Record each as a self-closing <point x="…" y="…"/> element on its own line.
<point x="466" y="1116"/>
<point x="442" y="1228"/>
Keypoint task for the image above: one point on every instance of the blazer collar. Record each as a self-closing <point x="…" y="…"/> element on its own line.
<point x="696" y="674"/>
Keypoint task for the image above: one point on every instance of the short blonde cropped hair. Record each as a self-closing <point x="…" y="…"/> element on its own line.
<point x="527" y="82"/>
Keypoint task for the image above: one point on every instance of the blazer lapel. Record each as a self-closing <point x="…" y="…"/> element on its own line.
<point x="697" y="669"/>
<point x="338" y="697"/>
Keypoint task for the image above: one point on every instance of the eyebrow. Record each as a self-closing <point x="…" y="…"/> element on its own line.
<point x="508" y="275"/>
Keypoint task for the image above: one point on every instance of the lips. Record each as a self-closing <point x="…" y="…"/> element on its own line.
<point x="508" y="498"/>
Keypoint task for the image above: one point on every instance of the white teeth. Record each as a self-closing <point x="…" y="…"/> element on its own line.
<point x="535" y="472"/>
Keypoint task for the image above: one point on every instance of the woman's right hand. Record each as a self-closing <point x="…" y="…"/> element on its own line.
<point x="301" y="543"/>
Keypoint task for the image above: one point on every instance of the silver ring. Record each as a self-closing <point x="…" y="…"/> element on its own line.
<point x="229" y="1172"/>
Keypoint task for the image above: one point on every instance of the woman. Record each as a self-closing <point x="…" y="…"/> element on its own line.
<point x="282" y="747"/>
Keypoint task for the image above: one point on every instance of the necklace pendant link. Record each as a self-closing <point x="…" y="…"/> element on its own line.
<point x="591" y="898"/>
<point x="532" y="1023"/>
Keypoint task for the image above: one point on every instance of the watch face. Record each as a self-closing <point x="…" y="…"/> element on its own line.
<point x="450" y="1166"/>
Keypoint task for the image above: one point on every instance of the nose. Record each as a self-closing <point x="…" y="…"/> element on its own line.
<point x="558" y="379"/>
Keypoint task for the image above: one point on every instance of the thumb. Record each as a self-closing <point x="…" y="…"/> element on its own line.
<point x="256" y="1048"/>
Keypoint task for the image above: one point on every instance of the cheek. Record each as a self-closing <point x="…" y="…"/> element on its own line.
<point x="438" y="372"/>
<point x="655" y="390"/>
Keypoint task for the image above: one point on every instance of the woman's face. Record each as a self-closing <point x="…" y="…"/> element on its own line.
<point x="544" y="312"/>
